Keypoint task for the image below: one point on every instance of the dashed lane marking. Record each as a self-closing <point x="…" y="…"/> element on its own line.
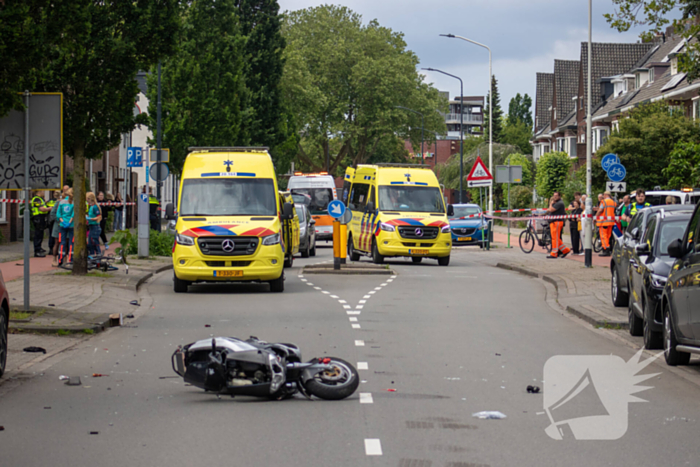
<point x="342" y="301"/>
<point x="356" y="326"/>
<point x="334" y="296"/>
<point x="367" y="296"/>
<point x="359" y="343"/>
<point x="347" y="307"/>
<point x="325" y="292"/>
<point x="373" y="447"/>
<point x="366" y="398"/>
<point x="359" y="307"/>
<point x="362" y="366"/>
<point x="353" y="312"/>
<point x="384" y="284"/>
<point x="363" y="301"/>
<point x="353" y="320"/>
<point x="317" y="288"/>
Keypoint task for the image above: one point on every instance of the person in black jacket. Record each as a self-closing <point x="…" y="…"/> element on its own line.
<point x="103" y="223"/>
<point x="573" y="227"/>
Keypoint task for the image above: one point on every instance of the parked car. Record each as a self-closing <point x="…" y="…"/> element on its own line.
<point x="307" y="231"/>
<point x="649" y="267"/>
<point x="4" y="324"/>
<point x="469" y="231"/>
<point x="681" y="296"/>
<point x="622" y="249"/>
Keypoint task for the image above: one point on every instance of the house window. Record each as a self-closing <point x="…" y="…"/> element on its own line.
<point x="616" y="125"/>
<point x="637" y="80"/>
<point x="651" y="75"/>
<point x="561" y="144"/>
<point x="674" y="65"/>
<point x="696" y="109"/>
<point x="572" y="147"/>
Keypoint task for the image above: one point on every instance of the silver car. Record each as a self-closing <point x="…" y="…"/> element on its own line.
<point x="307" y="231"/>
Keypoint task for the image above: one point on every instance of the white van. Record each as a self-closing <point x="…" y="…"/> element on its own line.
<point x="658" y="197"/>
<point x="318" y="190"/>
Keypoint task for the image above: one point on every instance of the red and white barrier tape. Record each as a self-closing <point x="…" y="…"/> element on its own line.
<point x="109" y="203"/>
<point x="551" y="218"/>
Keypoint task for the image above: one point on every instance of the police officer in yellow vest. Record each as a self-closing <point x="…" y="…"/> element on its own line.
<point x="55" y="195"/>
<point x="38" y="216"/>
<point x="639" y="204"/>
<point x="153" y="211"/>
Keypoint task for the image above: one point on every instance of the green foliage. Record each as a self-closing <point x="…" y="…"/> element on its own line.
<point x="128" y="243"/>
<point x="160" y="243"/>
<point x="519" y="110"/>
<point x="684" y="167"/>
<point x="520" y="197"/>
<point x="448" y="172"/>
<point x="518" y="134"/>
<point x="576" y="182"/>
<point x="497" y="113"/>
<point x="552" y="172"/>
<point x="343" y="80"/>
<point x="528" y="167"/>
<point x="655" y="15"/>
<point x="644" y="143"/>
<point x="205" y="101"/>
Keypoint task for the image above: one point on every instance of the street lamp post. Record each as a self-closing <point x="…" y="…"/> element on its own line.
<point x="461" y="127"/>
<point x="588" y="237"/>
<point x="452" y="36"/>
<point x="422" y="125"/>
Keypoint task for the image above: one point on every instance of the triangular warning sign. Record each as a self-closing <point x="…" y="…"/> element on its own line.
<point x="479" y="171"/>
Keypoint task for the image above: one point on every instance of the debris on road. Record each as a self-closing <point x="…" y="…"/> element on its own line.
<point x="489" y="415"/>
<point x="74" y="381"/>
<point x="98" y="375"/>
<point x="391" y="390"/>
<point x="130" y="316"/>
<point x="62" y="378"/>
<point x="207" y="325"/>
<point x="533" y="389"/>
<point x="33" y="349"/>
<point x="135" y="303"/>
<point x="116" y="319"/>
<point x="94" y="432"/>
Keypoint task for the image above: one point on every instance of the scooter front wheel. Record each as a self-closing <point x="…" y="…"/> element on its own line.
<point x="334" y="384"/>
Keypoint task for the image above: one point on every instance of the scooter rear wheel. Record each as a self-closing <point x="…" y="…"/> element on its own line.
<point x="337" y="384"/>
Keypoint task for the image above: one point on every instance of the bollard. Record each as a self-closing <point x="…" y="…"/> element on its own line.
<point x="336" y="244"/>
<point x="343" y="250"/>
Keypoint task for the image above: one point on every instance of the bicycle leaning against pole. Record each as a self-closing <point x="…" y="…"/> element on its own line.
<point x="529" y="237"/>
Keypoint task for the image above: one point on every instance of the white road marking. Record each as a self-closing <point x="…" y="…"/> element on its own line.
<point x="359" y="343"/>
<point x="366" y="398"/>
<point x="342" y="301"/>
<point x="377" y="288"/>
<point x="325" y="292"/>
<point x="354" y="312"/>
<point x="363" y="301"/>
<point x="334" y="296"/>
<point x="393" y="277"/>
<point x="309" y="283"/>
<point x="300" y="275"/>
<point x="317" y="288"/>
<point x="372" y="292"/>
<point x="384" y="284"/>
<point x="390" y="280"/>
<point x="362" y="366"/>
<point x="353" y="320"/>
<point x="347" y="307"/>
<point x="356" y="326"/>
<point x="304" y="280"/>
<point x="373" y="447"/>
<point x="359" y="307"/>
<point x="367" y="296"/>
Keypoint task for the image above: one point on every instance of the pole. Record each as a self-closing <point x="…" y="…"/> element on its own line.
<point x="490" y="131"/>
<point x="509" y="180"/>
<point x="422" y="138"/>
<point x="159" y="143"/>
<point x="27" y="209"/>
<point x="461" y="138"/>
<point x="588" y="241"/>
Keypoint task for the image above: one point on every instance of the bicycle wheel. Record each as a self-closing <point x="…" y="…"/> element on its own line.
<point x="547" y="240"/>
<point x="597" y="244"/>
<point x="527" y="241"/>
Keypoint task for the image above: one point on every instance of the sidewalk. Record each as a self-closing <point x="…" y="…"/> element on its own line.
<point x="74" y="307"/>
<point x="584" y="292"/>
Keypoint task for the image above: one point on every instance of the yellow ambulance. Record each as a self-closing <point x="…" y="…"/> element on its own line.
<point x="229" y="225"/>
<point x="397" y="210"/>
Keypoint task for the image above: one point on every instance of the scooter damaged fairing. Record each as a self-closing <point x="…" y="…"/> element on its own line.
<point x="227" y="365"/>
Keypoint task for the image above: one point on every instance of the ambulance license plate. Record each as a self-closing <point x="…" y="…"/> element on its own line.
<point x="228" y="273"/>
<point x="464" y="239"/>
<point x="418" y="252"/>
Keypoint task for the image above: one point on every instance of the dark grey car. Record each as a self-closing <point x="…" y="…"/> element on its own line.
<point x="624" y="246"/>
<point x="307" y="232"/>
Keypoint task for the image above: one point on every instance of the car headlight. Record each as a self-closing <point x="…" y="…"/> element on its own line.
<point x="658" y="281"/>
<point x="483" y="226"/>
<point x="184" y="240"/>
<point x="446" y="229"/>
<point x="271" y="239"/>
<point x="387" y="227"/>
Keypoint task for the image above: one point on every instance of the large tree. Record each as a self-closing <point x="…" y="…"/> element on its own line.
<point x="205" y="100"/>
<point x="497" y="112"/>
<point x="519" y="110"/>
<point x="343" y="79"/>
<point x="656" y="15"/>
<point x="110" y="41"/>
<point x="518" y="134"/>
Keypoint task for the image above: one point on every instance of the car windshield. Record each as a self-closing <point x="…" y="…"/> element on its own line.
<point x="300" y="213"/>
<point x="670" y="231"/>
<point x="410" y="198"/>
<point x="318" y="198"/>
<point x="464" y="211"/>
<point x="228" y="197"/>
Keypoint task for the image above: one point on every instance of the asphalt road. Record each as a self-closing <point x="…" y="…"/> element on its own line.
<point x="450" y="341"/>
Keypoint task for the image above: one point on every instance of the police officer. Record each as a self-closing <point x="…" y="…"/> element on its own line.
<point x="38" y="217"/>
<point x="153" y="208"/>
<point x="639" y="203"/>
<point x="51" y="217"/>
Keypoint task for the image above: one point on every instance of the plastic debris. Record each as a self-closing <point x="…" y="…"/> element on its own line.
<point x="74" y="381"/>
<point x="391" y="390"/>
<point x="135" y="303"/>
<point x="207" y="325"/>
<point x="533" y="389"/>
<point x="62" y="378"/>
<point x="498" y="355"/>
<point x="33" y="349"/>
<point x="489" y="415"/>
<point x="51" y="304"/>
<point x="94" y="432"/>
<point x="130" y="316"/>
<point x="98" y="375"/>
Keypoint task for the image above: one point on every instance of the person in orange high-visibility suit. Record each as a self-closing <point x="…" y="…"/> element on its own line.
<point x="557" y="208"/>
<point x="606" y="222"/>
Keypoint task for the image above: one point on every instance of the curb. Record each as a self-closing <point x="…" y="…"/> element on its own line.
<point x="147" y="276"/>
<point x="557" y="283"/>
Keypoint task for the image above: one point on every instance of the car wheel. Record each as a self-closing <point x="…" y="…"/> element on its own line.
<point x="635" y="322"/>
<point x="289" y="261"/>
<point x="354" y="256"/>
<point x="416" y="259"/>
<point x="277" y="285"/>
<point x="444" y="261"/>
<point x="312" y="252"/>
<point x="652" y="339"/>
<point x="376" y="257"/>
<point x="4" y="319"/>
<point x="307" y="252"/>
<point x="673" y="357"/>
<point x="180" y="286"/>
<point x="619" y="297"/>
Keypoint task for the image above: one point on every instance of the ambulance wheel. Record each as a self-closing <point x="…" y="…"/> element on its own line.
<point x="277" y="285"/>
<point x="376" y="257"/>
<point x="180" y="286"/>
<point x="445" y="261"/>
<point x="351" y="250"/>
<point x="288" y="261"/>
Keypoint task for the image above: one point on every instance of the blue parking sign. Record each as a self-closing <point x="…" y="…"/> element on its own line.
<point x="134" y="157"/>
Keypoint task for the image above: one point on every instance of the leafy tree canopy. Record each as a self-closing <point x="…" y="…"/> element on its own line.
<point x="343" y="80"/>
<point x="528" y="167"/>
<point x="656" y="14"/>
<point x="552" y="172"/>
<point x="519" y="134"/>
<point x="684" y="167"/>
<point x="519" y="110"/>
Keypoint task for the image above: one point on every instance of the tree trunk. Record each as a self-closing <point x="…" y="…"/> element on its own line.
<point x="79" y="221"/>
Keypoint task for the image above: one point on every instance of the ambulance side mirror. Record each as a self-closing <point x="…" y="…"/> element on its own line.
<point x="170" y="212"/>
<point x="450" y="210"/>
<point x="370" y="207"/>
<point x="287" y="211"/>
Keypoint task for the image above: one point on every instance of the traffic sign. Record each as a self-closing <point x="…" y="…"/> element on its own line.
<point x="608" y="160"/>
<point x="134" y="157"/>
<point x="617" y="172"/>
<point x="336" y="209"/>
<point x="616" y="187"/>
<point x="164" y="172"/>
<point x="164" y="155"/>
<point x="479" y="176"/>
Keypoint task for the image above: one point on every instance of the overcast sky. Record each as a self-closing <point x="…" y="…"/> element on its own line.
<point x="525" y="36"/>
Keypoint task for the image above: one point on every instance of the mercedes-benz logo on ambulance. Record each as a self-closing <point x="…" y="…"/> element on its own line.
<point x="228" y="245"/>
<point x="419" y="232"/>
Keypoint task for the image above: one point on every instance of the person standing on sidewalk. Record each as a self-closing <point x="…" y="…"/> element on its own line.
<point x="574" y="227"/>
<point x="65" y="220"/>
<point x="557" y="208"/>
<point x="38" y="217"/>
<point x="51" y="217"/>
<point x="154" y="208"/>
<point x="94" y="216"/>
<point x="606" y="214"/>
<point x="103" y="222"/>
<point x="118" y="212"/>
<point x="623" y="211"/>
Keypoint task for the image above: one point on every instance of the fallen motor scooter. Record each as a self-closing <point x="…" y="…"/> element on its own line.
<point x="226" y="365"/>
